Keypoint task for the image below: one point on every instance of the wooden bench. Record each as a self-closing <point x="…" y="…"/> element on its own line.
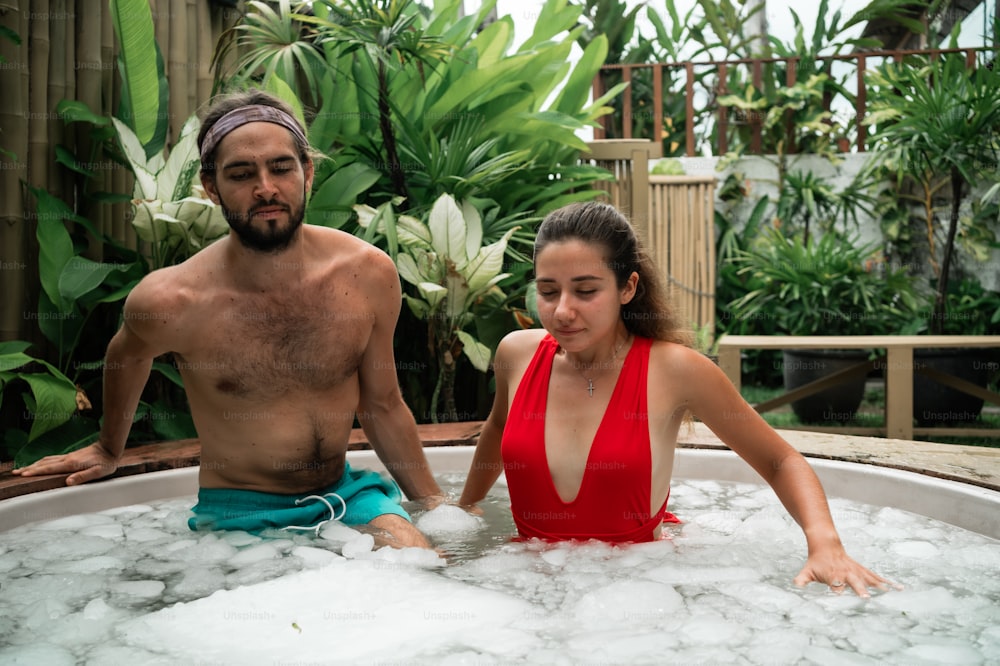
<point x="898" y="376"/>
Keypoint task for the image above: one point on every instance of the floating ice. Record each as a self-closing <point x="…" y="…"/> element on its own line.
<point x="628" y="602"/>
<point x="358" y="546"/>
<point x="916" y="549"/>
<point x="313" y="558"/>
<point x="137" y="591"/>
<point x="32" y="655"/>
<point x="448" y="520"/>
<point x="347" y="611"/>
<point x="264" y="551"/>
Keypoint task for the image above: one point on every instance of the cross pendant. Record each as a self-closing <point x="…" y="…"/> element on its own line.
<point x="590" y="387"/>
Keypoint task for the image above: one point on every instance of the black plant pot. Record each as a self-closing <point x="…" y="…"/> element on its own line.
<point x="838" y="403"/>
<point x="935" y="404"/>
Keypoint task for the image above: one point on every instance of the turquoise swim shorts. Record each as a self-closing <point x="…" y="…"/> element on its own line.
<point x="356" y="499"/>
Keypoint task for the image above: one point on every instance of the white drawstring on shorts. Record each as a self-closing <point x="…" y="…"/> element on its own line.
<point x="320" y="524"/>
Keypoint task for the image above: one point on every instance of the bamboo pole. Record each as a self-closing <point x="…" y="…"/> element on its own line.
<point x="38" y="107"/>
<point x="55" y="83"/>
<point x="191" y="60"/>
<point x="88" y="86"/>
<point x="203" y="56"/>
<point x="177" y="68"/>
<point x="13" y="168"/>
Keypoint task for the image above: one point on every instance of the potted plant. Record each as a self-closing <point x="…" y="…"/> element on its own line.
<point x="936" y="123"/>
<point x="972" y="310"/>
<point x="829" y="284"/>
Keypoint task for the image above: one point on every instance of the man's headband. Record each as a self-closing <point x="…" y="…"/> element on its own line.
<point x="255" y="113"/>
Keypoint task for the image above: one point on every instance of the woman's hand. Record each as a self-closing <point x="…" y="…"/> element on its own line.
<point x="835" y="568"/>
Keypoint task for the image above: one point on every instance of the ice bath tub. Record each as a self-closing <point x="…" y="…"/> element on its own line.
<point x="719" y="592"/>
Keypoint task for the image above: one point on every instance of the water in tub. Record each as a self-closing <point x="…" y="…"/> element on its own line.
<point x="134" y="586"/>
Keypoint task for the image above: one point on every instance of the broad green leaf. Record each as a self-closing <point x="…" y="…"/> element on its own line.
<point x="55" y="247"/>
<point x="133" y="24"/>
<point x="432" y="293"/>
<point x="407" y="267"/>
<point x="277" y="86"/>
<point x="81" y="276"/>
<point x="55" y="401"/>
<point x="487" y="263"/>
<point x="577" y="90"/>
<point x="72" y="111"/>
<point x="417" y="307"/>
<point x="473" y="228"/>
<point x="492" y="43"/>
<point x="412" y="231"/>
<point x="145" y="182"/>
<point x="12" y="358"/>
<point x="477" y="353"/>
<point x="447" y="227"/>
<point x="12" y="347"/>
<point x="341" y="190"/>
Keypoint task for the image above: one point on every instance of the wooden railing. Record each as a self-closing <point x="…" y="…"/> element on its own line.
<point x="693" y="117"/>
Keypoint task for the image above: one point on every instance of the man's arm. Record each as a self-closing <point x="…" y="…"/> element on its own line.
<point x="385" y="418"/>
<point x="127" y="364"/>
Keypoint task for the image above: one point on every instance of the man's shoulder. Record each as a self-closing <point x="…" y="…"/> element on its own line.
<point x="343" y="247"/>
<point x="174" y="287"/>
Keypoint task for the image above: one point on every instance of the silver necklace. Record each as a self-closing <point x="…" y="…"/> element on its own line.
<point x="614" y="357"/>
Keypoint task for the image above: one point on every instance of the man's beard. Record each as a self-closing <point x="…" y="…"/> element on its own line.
<point x="267" y="239"/>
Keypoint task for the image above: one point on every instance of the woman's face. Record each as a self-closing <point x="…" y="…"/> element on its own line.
<point x="578" y="299"/>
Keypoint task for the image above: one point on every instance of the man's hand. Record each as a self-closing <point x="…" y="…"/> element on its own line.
<point x="83" y="465"/>
<point x="431" y="502"/>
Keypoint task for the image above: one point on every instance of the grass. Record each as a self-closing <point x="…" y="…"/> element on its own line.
<point x="871" y="414"/>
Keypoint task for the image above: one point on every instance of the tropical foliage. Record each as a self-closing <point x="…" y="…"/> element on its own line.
<point x="170" y="209"/>
<point x="423" y="102"/>
<point x="831" y="285"/>
<point x="456" y="278"/>
<point x="937" y="125"/>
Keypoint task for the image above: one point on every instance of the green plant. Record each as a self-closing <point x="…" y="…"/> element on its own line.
<point x="936" y="122"/>
<point x="830" y="285"/>
<point x="170" y="210"/>
<point x="52" y="397"/>
<point x="970" y="310"/>
<point x="806" y="200"/>
<point x="431" y="104"/>
<point x="145" y="90"/>
<point x="455" y="277"/>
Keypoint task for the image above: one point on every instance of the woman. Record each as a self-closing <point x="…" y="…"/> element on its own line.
<point x="587" y="411"/>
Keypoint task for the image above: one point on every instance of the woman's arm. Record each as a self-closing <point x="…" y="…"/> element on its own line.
<point x="487" y="463"/>
<point x="712" y="398"/>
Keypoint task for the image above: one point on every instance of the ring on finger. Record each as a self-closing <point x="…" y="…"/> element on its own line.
<point x="836" y="583"/>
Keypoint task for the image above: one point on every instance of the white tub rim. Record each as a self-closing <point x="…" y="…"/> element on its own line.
<point x="961" y="504"/>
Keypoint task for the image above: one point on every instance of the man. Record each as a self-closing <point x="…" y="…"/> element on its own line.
<point x="282" y="333"/>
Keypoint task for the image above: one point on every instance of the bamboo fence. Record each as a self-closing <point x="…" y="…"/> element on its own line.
<point x="673" y="215"/>
<point x="68" y="50"/>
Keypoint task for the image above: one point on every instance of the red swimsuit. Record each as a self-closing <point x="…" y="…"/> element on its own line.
<point x="613" y="502"/>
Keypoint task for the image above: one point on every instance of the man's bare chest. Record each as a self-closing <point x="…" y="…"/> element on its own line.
<point x="260" y="348"/>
